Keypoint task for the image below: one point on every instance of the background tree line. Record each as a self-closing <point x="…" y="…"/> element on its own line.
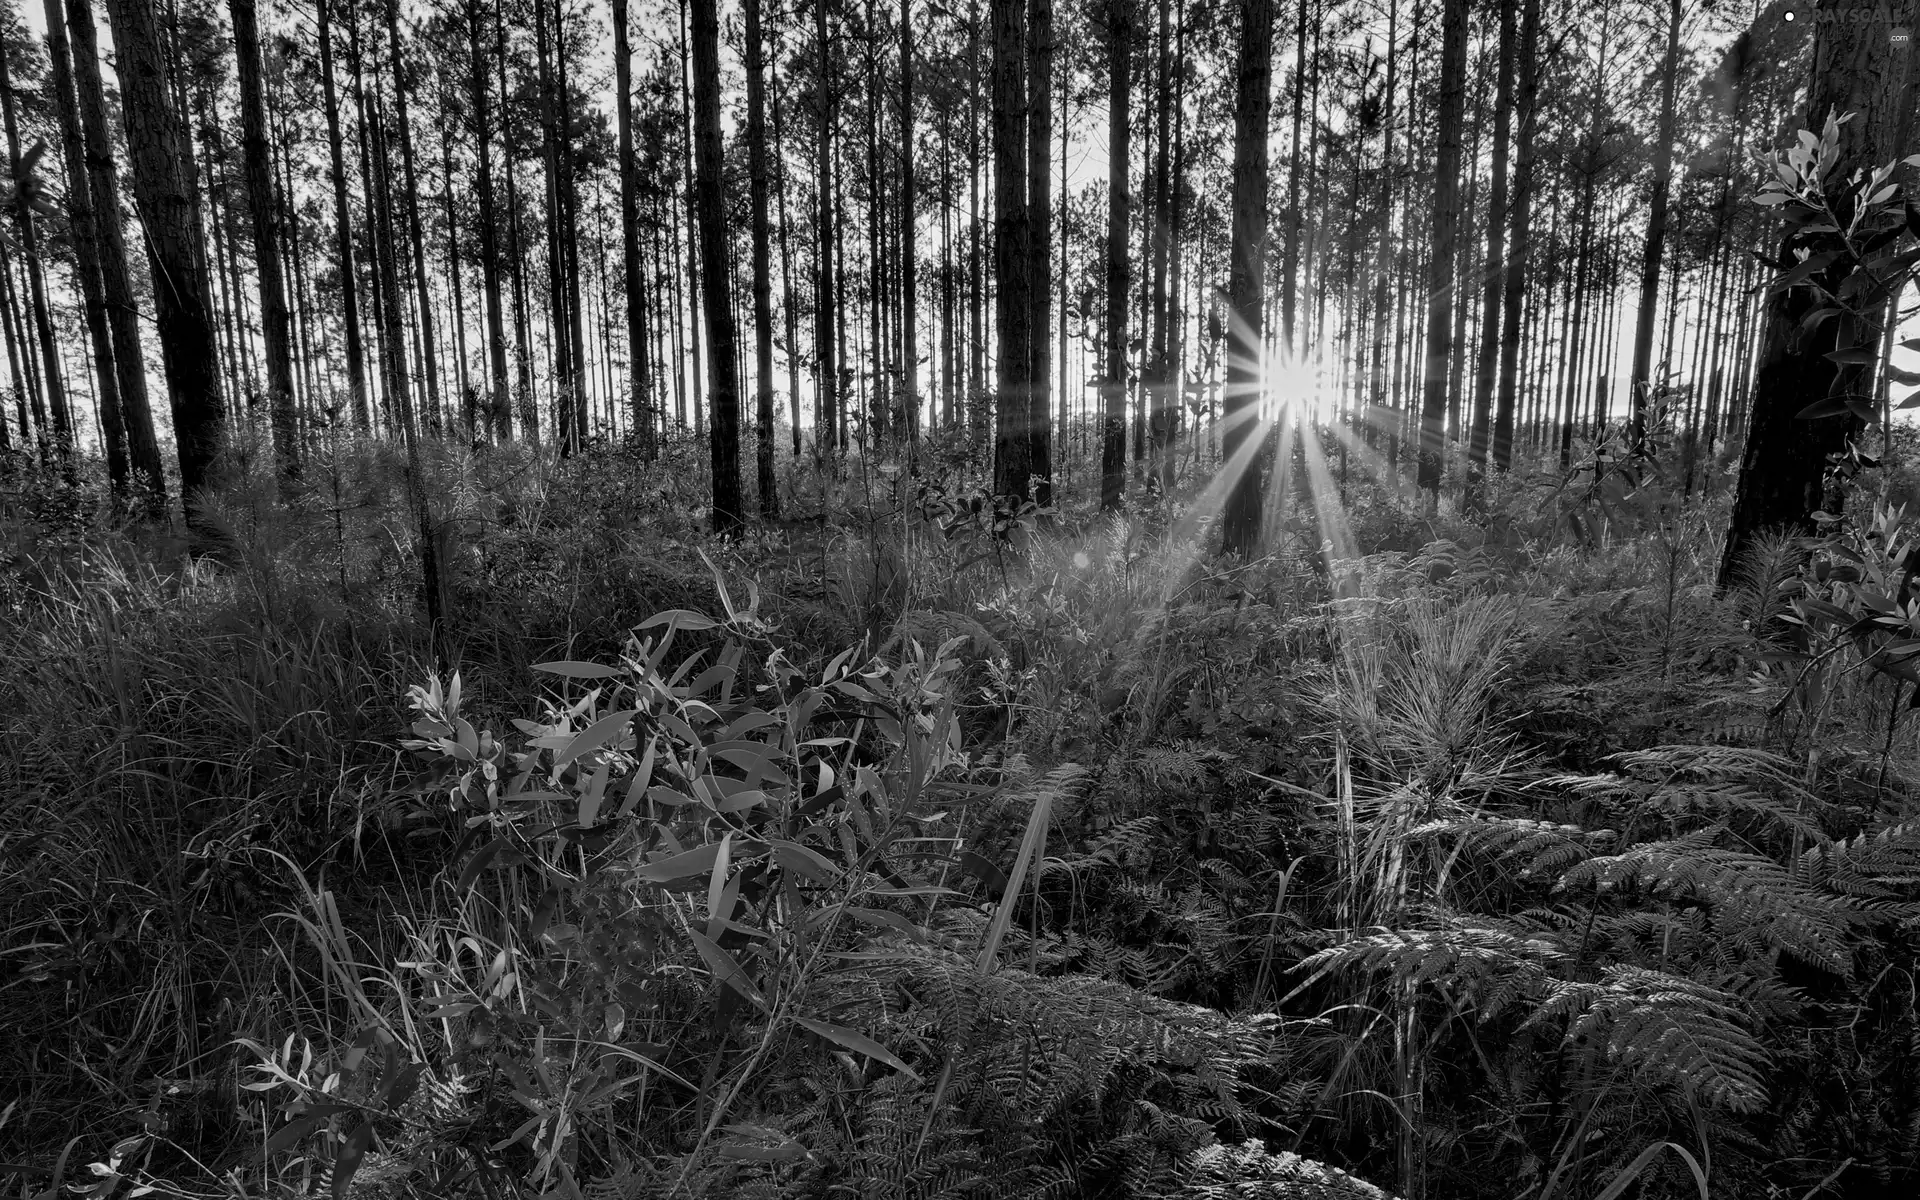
<point x="1481" y="231"/>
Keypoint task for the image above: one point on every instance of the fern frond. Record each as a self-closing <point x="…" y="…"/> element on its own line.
<point x="1250" y="1172"/>
<point x="1883" y="865"/>
<point x="1677" y="1030"/>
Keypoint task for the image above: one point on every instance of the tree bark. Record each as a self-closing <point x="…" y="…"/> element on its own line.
<point x="162" y="161"/>
<point x="1246" y="281"/>
<point x="716" y="289"/>
<point x="86" y="255"/>
<point x="1290" y="255"/>
<point x="343" y="225"/>
<point x="143" y="446"/>
<point x="1486" y="366"/>
<point x="909" y="251"/>
<point x="1656" y="233"/>
<point x="26" y="183"/>
<point x="1039" y="423"/>
<point x="274" y="321"/>
<point x="1113" y="388"/>
<point x="1012" y="269"/>
<point x="500" y="414"/>
<point x="827" y="381"/>
<point x="765" y="480"/>
<point x="1514" y="286"/>
<point x="1783" y="468"/>
<point x="1446" y="226"/>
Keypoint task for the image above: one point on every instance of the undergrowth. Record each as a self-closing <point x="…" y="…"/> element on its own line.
<point x="916" y="846"/>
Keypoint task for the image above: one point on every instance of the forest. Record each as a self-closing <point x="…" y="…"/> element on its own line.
<point x="955" y="599"/>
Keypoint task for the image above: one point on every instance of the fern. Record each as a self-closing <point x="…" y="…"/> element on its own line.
<point x="1883" y="865"/>
<point x="1250" y="1171"/>
<point x="1667" y="1029"/>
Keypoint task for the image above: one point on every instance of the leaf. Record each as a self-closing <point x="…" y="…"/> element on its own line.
<point x="697" y="861"/>
<point x="679" y="618"/>
<point x="859" y="1043"/>
<point x="349" y="1158"/>
<point x="293" y="1132"/>
<point x="792" y="856"/>
<point x="1831" y="406"/>
<point x="881" y="918"/>
<point x="478" y="863"/>
<point x="717" y="886"/>
<point x="726" y="970"/>
<point x="594" y="736"/>
<point x="589" y="811"/>
<point x="1856" y="356"/>
<point x="578" y="670"/>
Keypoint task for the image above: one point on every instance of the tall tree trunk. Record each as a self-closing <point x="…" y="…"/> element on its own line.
<point x="343" y="224"/>
<point x="715" y="290"/>
<point x="162" y="161"/>
<point x="429" y="354"/>
<point x="1513" y="303"/>
<point x="642" y="398"/>
<point x="266" y="240"/>
<point x="557" y="325"/>
<point x="1246" y="281"/>
<point x="570" y="224"/>
<point x="1493" y="285"/>
<point x="1012" y="269"/>
<point x="827" y="383"/>
<point x="909" y="251"/>
<point x="516" y="272"/>
<point x="1656" y="232"/>
<point x="25" y="175"/>
<point x="1783" y="469"/>
<point x="1290" y="255"/>
<point x="143" y="447"/>
<point x="86" y="255"/>
<point x="788" y="306"/>
<point x="1384" y="305"/>
<point x="767" y="484"/>
<point x="1039" y="421"/>
<point x="1446" y="226"/>
<point x="500" y="414"/>
<point x="1113" y="388"/>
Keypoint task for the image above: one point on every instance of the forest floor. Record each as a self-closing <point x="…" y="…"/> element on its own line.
<point x="897" y="848"/>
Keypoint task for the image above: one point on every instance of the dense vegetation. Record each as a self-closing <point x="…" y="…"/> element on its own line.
<point x="1291" y="765"/>
<point x="948" y="857"/>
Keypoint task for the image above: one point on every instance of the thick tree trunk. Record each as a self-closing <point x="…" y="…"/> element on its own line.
<point x="162" y="161"/>
<point x="274" y="321"/>
<point x="716" y="289"/>
<point x="1012" y="253"/>
<point x="1446" y="226"/>
<point x="1246" y="281"/>
<point x="143" y="447"/>
<point x="1856" y="70"/>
